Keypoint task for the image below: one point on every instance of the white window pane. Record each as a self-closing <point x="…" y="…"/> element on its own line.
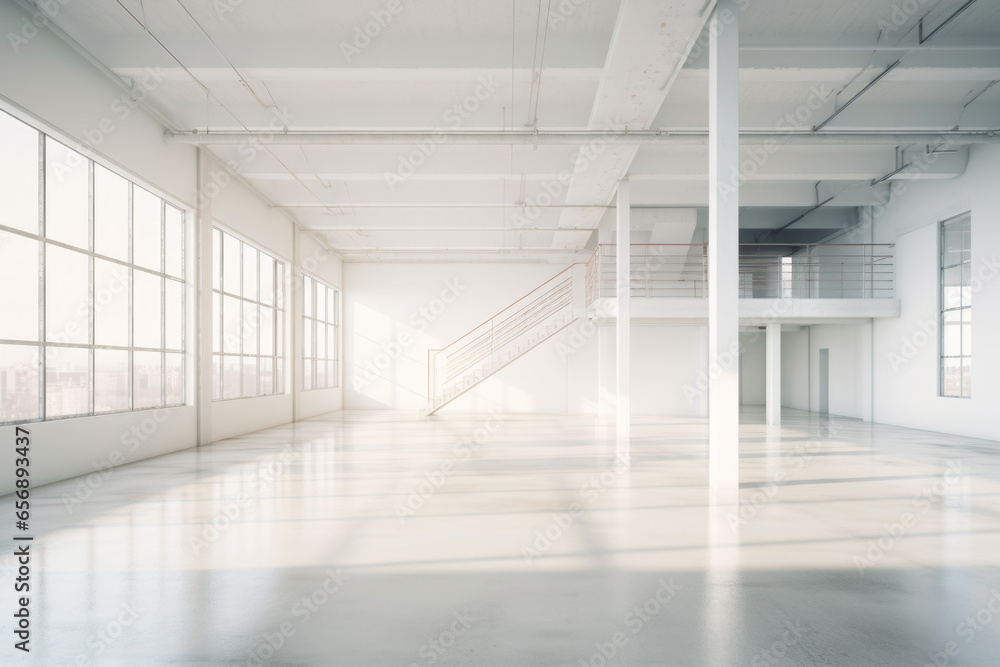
<point x="331" y="306"/>
<point x="266" y="328"/>
<point x="307" y="296"/>
<point x="951" y="377"/>
<point x="110" y="214"/>
<point x="174" y="318"/>
<point x="320" y="374"/>
<point x="966" y="377"/>
<point x="146" y="320"/>
<point x="146" y="229"/>
<point x="331" y="342"/>
<point x="232" y="374"/>
<point x="250" y="377"/>
<point x="67" y="195"/>
<point x="111" y="382"/>
<point x="321" y="340"/>
<point x="266" y="279"/>
<point x="951" y="339"/>
<point x="251" y="322"/>
<point x="173" y="232"/>
<point x="174" y="378"/>
<point x="307" y="338"/>
<point x="320" y="301"/>
<point x="231" y="325"/>
<point x="67" y="381"/>
<point x="216" y="377"/>
<point x="307" y="373"/>
<point x="249" y="272"/>
<point x="67" y="296"/>
<point x="110" y="303"/>
<point x="18" y="307"/>
<point x="18" y="382"/>
<point x="279" y="376"/>
<point x="279" y="332"/>
<point x="279" y="284"/>
<point x="266" y="376"/>
<point x="331" y="374"/>
<point x="231" y="264"/>
<point x="147" y="376"/>
<point x="217" y="259"/>
<point x="18" y="174"/>
<point x="216" y="323"/>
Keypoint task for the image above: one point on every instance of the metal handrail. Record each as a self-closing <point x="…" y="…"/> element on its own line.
<point x="867" y="273"/>
<point x="494" y="335"/>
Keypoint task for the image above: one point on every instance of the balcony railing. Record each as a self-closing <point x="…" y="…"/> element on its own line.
<point x="767" y="270"/>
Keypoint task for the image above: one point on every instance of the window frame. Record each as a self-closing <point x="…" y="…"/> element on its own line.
<point x="279" y="358"/>
<point x="42" y="343"/>
<point x="962" y="309"/>
<point x="310" y="323"/>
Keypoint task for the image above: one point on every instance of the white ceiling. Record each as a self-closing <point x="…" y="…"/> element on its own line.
<point x="259" y="65"/>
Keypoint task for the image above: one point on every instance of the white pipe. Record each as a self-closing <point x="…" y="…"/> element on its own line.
<point x="573" y="138"/>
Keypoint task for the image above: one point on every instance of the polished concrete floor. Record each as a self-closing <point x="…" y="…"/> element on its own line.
<point x="381" y="538"/>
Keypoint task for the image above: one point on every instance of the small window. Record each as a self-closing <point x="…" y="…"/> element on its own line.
<point x="956" y="307"/>
<point x="320" y="335"/>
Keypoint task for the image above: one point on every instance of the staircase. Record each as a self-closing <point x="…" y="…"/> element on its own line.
<point x="499" y="341"/>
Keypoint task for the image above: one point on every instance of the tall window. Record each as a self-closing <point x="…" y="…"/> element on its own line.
<point x="956" y="307"/>
<point x="92" y="268"/>
<point x="249" y="316"/>
<point x="320" y="337"/>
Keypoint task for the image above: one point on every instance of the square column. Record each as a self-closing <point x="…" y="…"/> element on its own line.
<point x="623" y="323"/>
<point x="723" y="247"/>
<point x="773" y="382"/>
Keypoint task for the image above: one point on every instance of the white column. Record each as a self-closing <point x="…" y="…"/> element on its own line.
<point x="203" y="310"/>
<point x="773" y="361"/>
<point x="723" y="247"/>
<point x="623" y="320"/>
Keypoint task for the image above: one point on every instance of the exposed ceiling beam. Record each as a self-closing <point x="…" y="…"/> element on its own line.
<point x="571" y="137"/>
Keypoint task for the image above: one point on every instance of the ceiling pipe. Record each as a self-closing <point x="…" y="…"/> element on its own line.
<point x="572" y="138"/>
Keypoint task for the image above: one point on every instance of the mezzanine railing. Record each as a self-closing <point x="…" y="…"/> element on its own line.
<point x="767" y="270"/>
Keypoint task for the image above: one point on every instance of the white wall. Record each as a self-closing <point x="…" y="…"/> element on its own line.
<point x="753" y="368"/>
<point x="905" y="359"/>
<point x="795" y="369"/>
<point x="51" y="86"/>
<point x="383" y="306"/>
<point x="850" y="368"/>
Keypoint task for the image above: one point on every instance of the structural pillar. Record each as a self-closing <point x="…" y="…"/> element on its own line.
<point x="203" y="306"/>
<point x="723" y="247"/>
<point x="623" y="323"/>
<point x="773" y="361"/>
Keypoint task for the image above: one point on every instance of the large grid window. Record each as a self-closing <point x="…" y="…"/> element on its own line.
<point x="956" y="307"/>
<point x="92" y="309"/>
<point x="320" y="334"/>
<point x="249" y="318"/>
